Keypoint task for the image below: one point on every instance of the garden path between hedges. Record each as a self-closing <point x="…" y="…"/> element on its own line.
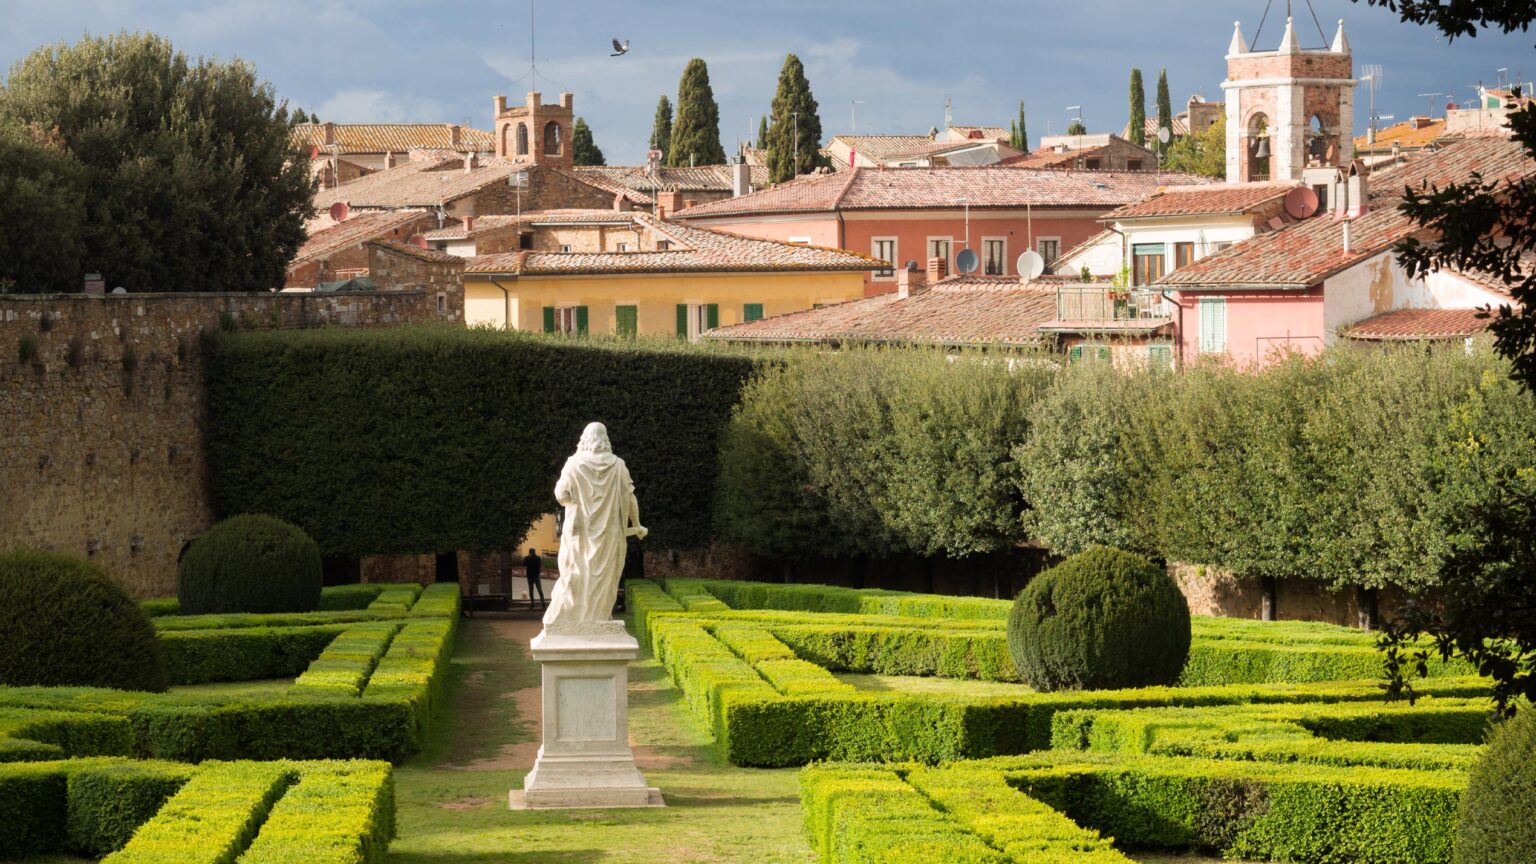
<point x="452" y="798"/>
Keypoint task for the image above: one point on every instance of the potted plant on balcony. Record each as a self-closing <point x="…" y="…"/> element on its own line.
<point x="1120" y="292"/>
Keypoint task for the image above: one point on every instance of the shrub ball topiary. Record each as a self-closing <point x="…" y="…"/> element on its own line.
<point x="1496" y="824"/>
<point x="64" y="623"/>
<point x="250" y="564"/>
<point x="1102" y="619"/>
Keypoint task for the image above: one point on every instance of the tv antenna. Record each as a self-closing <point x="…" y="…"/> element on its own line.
<point x="1288" y="17"/>
<point x="532" y="75"/>
<point x="1372" y="75"/>
<point x="1431" y="97"/>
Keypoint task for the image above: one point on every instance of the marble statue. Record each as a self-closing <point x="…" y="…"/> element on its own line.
<point x="601" y="513"/>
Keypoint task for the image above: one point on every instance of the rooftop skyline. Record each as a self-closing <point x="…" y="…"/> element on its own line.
<point x="392" y="61"/>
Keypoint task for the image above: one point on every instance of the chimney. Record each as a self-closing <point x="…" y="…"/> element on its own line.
<point x="1346" y="237"/>
<point x="910" y="280"/>
<point x="1359" y="190"/>
<point x="453" y="134"/>
<point x="741" y="179"/>
<point x="688" y="203"/>
<point x="471" y="161"/>
<point x="389" y="159"/>
<point x="938" y="270"/>
<point x="330" y="132"/>
<point x="668" y="203"/>
<point x="469" y="224"/>
<point x="653" y="162"/>
<point x="622" y="204"/>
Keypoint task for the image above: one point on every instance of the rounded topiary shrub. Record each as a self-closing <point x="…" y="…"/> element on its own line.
<point x="1102" y="619"/>
<point x="250" y="563"/>
<point x="1496" y="825"/>
<point x="64" y="623"/>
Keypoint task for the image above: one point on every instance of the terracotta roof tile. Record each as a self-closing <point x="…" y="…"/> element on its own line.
<point x="424" y="183"/>
<point x="358" y="229"/>
<point x="1410" y="134"/>
<point x="1178" y="125"/>
<point x="414" y="251"/>
<point x="694" y="250"/>
<point x="1415" y="324"/>
<point x="389" y="137"/>
<point x="1302" y="254"/>
<point x="964" y="311"/>
<point x="487" y="224"/>
<point x="933" y="188"/>
<point x="988" y="133"/>
<point x="1211" y="200"/>
<point x="702" y="178"/>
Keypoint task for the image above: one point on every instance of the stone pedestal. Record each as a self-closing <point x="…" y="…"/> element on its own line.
<point x="585" y="760"/>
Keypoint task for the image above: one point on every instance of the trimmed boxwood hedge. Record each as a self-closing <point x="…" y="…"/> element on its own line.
<point x="64" y="623"/>
<point x="250" y="563"/>
<point x="1496" y="825"/>
<point x="365" y="438"/>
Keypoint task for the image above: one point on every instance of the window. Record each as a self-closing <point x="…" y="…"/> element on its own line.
<point x="1049" y="249"/>
<point x="1213" y="326"/>
<point x="938" y="247"/>
<point x="1148" y="263"/>
<point x="1221" y="246"/>
<point x="693" y="319"/>
<point x="994" y="256"/>
<point x="752" y="312"/>
<point x="525" y="241"/>
<point x="442" y="303"/>
<point x="565" y="319"/>
<point x="522" y="139"/>
<point x="1091" y="353"/>
<point x="552" y="138"/>
<point x="626" y="321"/>
<point x="884" y="248"/>
<point x="1092" y="164"/>
<point x="1133" y="164"/>
<point x="565" y="247"/>
<point x="623" y="247"/>
<point x="1160" y="356"/>
<point x="663" y="245"/>
<point x="1183" y="253"/>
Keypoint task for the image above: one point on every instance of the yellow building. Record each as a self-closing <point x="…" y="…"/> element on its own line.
<point x="632" y="274"/>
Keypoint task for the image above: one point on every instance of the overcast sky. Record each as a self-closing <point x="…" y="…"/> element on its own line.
<point x="415" y="61"/>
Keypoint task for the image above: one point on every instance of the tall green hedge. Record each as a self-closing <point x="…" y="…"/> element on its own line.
<point x="431" y="439"/>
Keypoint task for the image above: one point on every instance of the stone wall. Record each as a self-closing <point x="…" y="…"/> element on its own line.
<point x="1211" y="591"/>
<point x="396" y="266"/>
<point x="101" y="403"/>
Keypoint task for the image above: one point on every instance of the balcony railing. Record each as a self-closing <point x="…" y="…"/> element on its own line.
<point x="1107" y="303"/>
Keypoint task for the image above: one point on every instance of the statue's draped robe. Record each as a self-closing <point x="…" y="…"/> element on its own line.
<point x="599" y="501"/>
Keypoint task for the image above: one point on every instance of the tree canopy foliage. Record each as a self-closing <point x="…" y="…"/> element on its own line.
<point x="1203" y="153"/>
<point x="1138" y="110"/>
<point x="794" y="135"/>
<point x="42" y="212"/>
<point x="695" y="137"/>
<point x="188" y="182"/>
<point x="584" y="150"/>
<point x="661" y="127"/>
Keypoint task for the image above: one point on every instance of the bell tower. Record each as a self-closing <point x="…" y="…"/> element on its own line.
<point x="1288" y="110"/>
<point x="535" y="133"/>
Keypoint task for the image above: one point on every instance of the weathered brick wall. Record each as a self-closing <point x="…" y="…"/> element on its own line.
<point x="397" y="265"/>
<point x="102" y="412"/>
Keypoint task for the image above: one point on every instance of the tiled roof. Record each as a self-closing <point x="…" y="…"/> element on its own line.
<point x="358" y="229"/>
<point x="988" y="133"/>
<point x="431" y="255"/>
<point x="1410" y="135"/>
<point x="1212" y="200"/>
<point x="389" y="137"/>
<point x="1302" y="254"/>
<point x="703" y="178"/>
<point x="487" y="224"/>
<point x="882" y="147"/>
<point x="970" y="310"/>
<point x="1413" y="324"/>
<point x="935" y="188"/>
<point x="1050" y="157"/>
<point x="694" y="250"/>
<point x="1178" y="125"/>
<point x="425" y="183"/>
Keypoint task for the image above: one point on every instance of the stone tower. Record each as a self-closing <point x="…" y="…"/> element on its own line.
<point x="1300" y="102"/>
<point x="535" y="133"/>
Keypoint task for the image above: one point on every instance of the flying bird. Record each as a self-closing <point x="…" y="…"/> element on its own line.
<point x="620" y="49"/>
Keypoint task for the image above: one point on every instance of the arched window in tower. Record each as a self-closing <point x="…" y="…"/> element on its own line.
<point x="1259" y="144"/>
<point x="522" y="139"/>
<point x="552" y="138"/>
<point x="1322" y="148"/>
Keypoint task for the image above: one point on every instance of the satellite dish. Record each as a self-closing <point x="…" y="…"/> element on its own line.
<point x="340" y="211"/>
<point x="1301" y="203"/>
<point x="967" y="261"/>
<point x="1164" y="135"/>
<point x="119" y="290"/>
<point x="419" y="241"/>
<point x="1031" y="264"/>
<point x="314" y="151"/>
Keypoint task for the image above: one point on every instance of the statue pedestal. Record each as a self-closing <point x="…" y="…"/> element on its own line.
<point x="585" y="760"/>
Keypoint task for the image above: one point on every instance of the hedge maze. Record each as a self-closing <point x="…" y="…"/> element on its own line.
<point x="1277" y="745"/>
<point x="135" y="776"/>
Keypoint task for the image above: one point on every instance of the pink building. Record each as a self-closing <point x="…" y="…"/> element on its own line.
<point x="904" y="215"/>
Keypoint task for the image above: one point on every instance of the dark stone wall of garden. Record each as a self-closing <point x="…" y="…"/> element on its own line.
<point x="102" y="407"/>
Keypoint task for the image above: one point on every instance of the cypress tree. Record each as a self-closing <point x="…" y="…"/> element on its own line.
<point x="584" y="151"/>
<point x="794" y="138"/>
<point x="1138" y="109"/>
<point x="661" y="128"/>
<point x="1164" y="107"/>
<point x="1022" y="141"/>
<point x="696" y="131"/>
<point x="762" y="132"/>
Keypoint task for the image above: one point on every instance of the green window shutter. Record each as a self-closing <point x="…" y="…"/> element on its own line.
<point x="752" y="312"/>
<point x="712" y="316"/>
<point x="549" y="319"/>
<point x="1160" y="356"/>
<point x="1102" y="352"/>
<point x="581" y="320"/>
<point x="682" y="320"/>
<point x="1074" y="354"/>
<point x="626" y="320"/>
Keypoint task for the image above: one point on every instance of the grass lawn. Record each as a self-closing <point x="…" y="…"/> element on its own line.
<point x="452" y="799"/>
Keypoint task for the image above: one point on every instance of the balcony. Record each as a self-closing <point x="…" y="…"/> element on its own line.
<point x="1109" y="304"/>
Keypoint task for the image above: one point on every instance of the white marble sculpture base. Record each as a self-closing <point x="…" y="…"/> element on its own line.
<point x="585" y="760"/>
